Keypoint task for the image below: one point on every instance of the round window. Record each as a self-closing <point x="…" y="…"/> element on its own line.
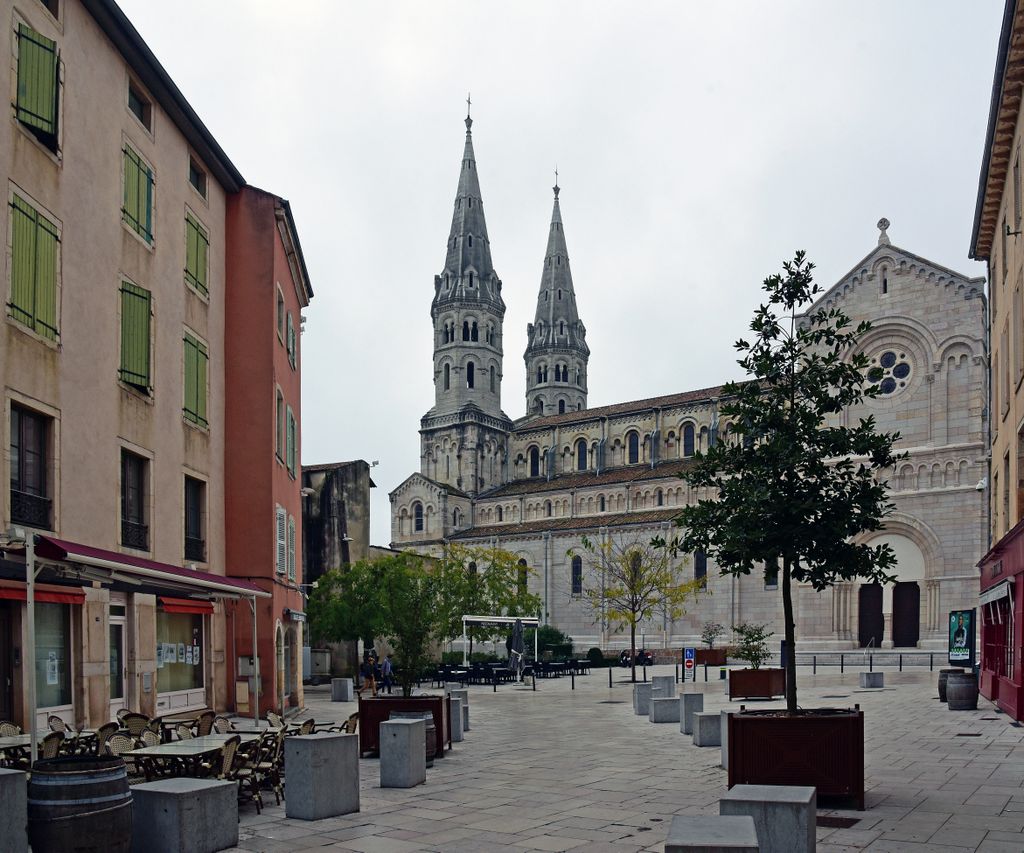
<point x="890" y="369"/>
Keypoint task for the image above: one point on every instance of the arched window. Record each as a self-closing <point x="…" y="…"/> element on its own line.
<point x="688" y="440"/>
<point x="500" y="514"/>
<point x="885" y="280"/>
<point x="471" y="241"/>
<point x="579" y="407"/>
<point x="559" y="294"/>
<point x="540" y="374"/>
<point x="447" y="377"/>
<point x="659" y="499"/>
<point x="633" y="440"/>
<point x="474" y="332"/>
<point x="545" y="373"/>
<point x="417" y="517"/>
<point x="577" y="575"/>
<point x="600" y="504"/>
<point x="538" y="406"/>
<point x="547" y="508"/>
<point x="561" y="327"/>
<point x="561" y="407"/>
<point x="493" y="372"/>
<point x="581" y="455"/>
<point x="465" y="330"/>
<point x="579" y="377"/>
<point x="456" y="517"/>
<point x="471" y="279"/>
<point x="700" y="565"/>
<point x="522" y="574"/>
<point x="534" y="462"/>
<point x="472" y="567"/>
<point x="470" y="374"/>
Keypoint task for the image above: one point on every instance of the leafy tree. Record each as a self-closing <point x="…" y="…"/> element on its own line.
<point x="345" y="604"/>
<point x="711" y="632"/>
<point x="482" y="582"/>
<point x="793" y="483"/>
<point x="752" y="643"/>
<point x="631" y="581"/>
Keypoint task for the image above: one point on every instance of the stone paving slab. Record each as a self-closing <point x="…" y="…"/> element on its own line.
<point x="558" y="769"/>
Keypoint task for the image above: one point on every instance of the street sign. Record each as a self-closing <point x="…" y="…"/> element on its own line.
<point x="690" y="664"/>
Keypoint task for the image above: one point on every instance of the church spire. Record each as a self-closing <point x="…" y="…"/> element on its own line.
<point x="556" y="350"/>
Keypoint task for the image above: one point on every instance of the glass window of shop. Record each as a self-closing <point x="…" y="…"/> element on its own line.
<point x="53" y="655"/>
<point x="179" y="651"/>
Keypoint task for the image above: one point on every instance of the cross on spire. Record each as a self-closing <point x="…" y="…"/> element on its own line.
<point x="556" y="187"/>
<point x="469" y="121"/>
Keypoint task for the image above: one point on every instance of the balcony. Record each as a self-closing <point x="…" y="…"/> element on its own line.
<point x="30" y="510"/>
<point x="195" y="549"/>
<point x="134" y="535"/>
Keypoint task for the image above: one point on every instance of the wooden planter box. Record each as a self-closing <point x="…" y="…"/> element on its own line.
<point x="374" y="711"/>
<point x="823" y="748"/>
<point x="711" y="657"/>
<point x="756" y="683"/>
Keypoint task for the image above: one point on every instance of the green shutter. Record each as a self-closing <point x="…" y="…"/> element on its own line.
<point x="197" y="247"/>
<point x="135" y="335"/>
<point x="196" y="358"/>
<point x="36" y="106"/>
<point x="33" y="269"/>
<point x="291" y="442"/>
<point x="137" y="209"/>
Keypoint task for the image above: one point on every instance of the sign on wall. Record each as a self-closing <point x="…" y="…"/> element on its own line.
<point x="961" y="637"/>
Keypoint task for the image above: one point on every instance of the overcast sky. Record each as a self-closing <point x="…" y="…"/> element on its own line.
<point x="698" y="145"/>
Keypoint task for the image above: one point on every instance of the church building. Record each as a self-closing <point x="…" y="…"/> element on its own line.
<point x="538" y="485"/>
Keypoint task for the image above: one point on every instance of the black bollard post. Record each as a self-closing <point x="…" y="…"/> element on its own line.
<point x="645" y="673"/>
<point x="871" y="663"/>
<point x="574" y="680"/>
<point x="535" y="682"/>
<point x="705" y="672"/>
<point x="609" y="677"/>
<point x="494" y="683"/>
<point x="901" y="662"/>
<point x="814" y="664"/>
<point x="677" y="673"/>
<point x="931" y="663"/>
<point x="842" y="667"/>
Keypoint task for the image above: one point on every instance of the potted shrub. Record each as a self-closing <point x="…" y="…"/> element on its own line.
<point x="709" y="635"/>
<point x="794" y="484"/>
<point x="756" y="681"/>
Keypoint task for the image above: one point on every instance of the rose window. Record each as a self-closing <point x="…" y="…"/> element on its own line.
<point x="890" y="370"/>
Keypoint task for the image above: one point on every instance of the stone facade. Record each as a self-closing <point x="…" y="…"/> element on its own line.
<point x="612" y="472"/>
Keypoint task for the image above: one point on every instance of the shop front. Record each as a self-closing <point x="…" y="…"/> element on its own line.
<point x="1001" y="676"/>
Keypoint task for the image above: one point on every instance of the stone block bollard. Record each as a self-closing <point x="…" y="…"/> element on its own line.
<point x="184" y="816"/>
<point x="14" y="811"/>
<point x="663" y="686"/>
<point x="323" y="775"/>
<point x="689" y="704"/>
<point x="465" y="717"/>
<point x="725" y="738"/>
<point x="456" y="721"/>
<point x="403" y="751"/>
<point x="664" y="709"/>
<point x="707" y="729"/>
<point x="872" y="679"/>
<point x="784" y="816"/>
<point x="710" y="834"/>
<point x="342" y="690"/>
<point x="642" y="700"/>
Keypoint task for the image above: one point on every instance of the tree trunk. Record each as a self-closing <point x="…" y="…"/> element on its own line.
<point x="790" y="659"/>
<point x="632" y="649"/>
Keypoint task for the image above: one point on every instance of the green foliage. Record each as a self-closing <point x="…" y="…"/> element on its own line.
<point x="595" y="656"/>
<point x="792" y="483"/>
<point x="549" y="639"/>
<point x="710" y="633"/>
<point x="455" y="658"/>
<point x="345" y="604"/>
<point x="752" y="643"/>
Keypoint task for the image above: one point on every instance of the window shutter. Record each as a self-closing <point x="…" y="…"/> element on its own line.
<point x="282" y="554"/>
<point x="290" y="341"/>
<point x="37" y="83"/>
<point x="137" y="209"/>
<point x="291" y="548"/>
<point x="135" y="327"/>
<point x="291" y="442"/>
<point x="197" y="247"/>
<point x="196" y="359"/>
<point x="279" y="447"/>
<point x="34" y="246"/>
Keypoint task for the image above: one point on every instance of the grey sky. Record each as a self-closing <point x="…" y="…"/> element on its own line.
<point x="698" y="145"/>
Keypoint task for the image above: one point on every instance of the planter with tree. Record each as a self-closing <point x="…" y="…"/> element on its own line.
<point x="709" y="635"/>
<point x="795" y="486"/>
<point x="756" y="681"/>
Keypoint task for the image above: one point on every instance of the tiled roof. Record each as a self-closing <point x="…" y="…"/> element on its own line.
<point x="586" y="522"/>
<point x="586" y="479"/>
<point x="622" y="408"/>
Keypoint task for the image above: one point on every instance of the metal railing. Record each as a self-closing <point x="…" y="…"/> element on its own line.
<point x="134" y="535"/>
<point x="195" y="549"/>
<point x="30" y="510"/>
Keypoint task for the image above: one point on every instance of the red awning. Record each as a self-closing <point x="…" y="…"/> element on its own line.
<point x="184" y="605"/>
<point x="49" y="594"/>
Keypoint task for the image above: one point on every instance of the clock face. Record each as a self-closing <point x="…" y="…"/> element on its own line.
<point x="890" y="370"/>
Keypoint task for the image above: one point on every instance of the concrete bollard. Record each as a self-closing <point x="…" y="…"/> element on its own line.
<point x="403" y="753"/>
<point x="663" y="686"/>
<point x="872" y="679"/>
<point x="664" y="709"/>
<point x="711" y="834"/>
<point x="323" y="775"/>
<point x="689" y="704"/>
<point x="186" y="815"/>
<point x="14" y="811"/>
<point x="342" y="690"/>
<point x="724" y="732"/>
<point x="707" y="729"/>
<point x="642" y="700"/>
<point x="465" y="717"/>
<point x="456" y="720"/>
<point x="784" y="816"/>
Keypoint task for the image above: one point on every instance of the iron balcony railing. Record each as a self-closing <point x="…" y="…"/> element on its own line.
<point x="195" y="549"/>
<point x="134" y="535"/>
<point x="31" y="510"/>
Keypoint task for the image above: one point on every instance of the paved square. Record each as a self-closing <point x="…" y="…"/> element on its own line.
<point x="558" y="769"/>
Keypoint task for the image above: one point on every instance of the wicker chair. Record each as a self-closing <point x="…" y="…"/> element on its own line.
<point x="9" y="729"/>
<point x="222" y="725"/>
<point x="121" y="715"/>
<point x="275" y="720"/>
<point x="149" y="738"/>
<point x="184" y="731"/>
<point x="204" y="725"/>
<point x="121" y="744"/>
<point x="271" y="764"/>
<point x="246" y="772"/>
<point x="50" y="747"/>
<point x="307" y="727"/>
<point x="135" y="723"/>
<point x="351" y="725"/>
<point x="103" y="734"/>
<point x="227" y="757"/>
<point x="57" y="724"/>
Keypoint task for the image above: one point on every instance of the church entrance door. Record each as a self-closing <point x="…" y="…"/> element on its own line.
<point x="906" y="614"/>
<point x="870" y="622"/>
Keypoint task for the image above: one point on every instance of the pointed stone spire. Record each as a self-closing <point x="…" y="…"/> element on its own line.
<point x="556" y="350"/>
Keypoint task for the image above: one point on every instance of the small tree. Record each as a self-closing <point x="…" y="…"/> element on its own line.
<point x="710" y="633"/>
<point x="752" y="643"/>
<point x="632" y="580"/>
<point x="792" y="483"/>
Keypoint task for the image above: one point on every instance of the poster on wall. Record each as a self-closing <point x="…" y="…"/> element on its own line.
<point x="170" y="653"/>
<point x="188" y="655"/>
<point x="51" y="669"/>
<point x="160" y="656"/>
<point x="961" y="637"/>
<point x="195" y="656"/>
<point x="181" y="653"/>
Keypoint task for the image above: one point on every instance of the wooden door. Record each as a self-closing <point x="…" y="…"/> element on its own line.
<point x="906" y="614"/>
<point x="870" y="622"/>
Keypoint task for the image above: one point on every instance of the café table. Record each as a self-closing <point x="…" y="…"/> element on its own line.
<point x="187" y="753"/>
<point x="170" y="722"/>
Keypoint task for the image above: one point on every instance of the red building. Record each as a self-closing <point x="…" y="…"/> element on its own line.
<point x="267" y="288"/>
<point x="1002" y="638"/>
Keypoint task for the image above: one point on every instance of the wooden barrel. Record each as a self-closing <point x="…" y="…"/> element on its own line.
<point x="962" y="691"/>
<point x="431" y="738"/>
<point x="943" y="676"/>
<point x="79" y="804"/>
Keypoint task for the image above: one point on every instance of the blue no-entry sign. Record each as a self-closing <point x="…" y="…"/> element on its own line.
<point x="689" y="664"/>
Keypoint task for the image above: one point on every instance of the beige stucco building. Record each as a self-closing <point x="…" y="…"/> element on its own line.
<point x="565" y="471"/>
